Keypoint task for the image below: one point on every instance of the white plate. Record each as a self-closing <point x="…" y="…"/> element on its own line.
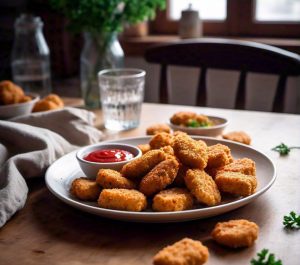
<point x="61" y="173"/>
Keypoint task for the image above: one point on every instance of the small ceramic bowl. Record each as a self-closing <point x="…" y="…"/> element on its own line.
<point x="18" y="109"/>
<point x="213" y="131"/>
<point x="90" y="169"/>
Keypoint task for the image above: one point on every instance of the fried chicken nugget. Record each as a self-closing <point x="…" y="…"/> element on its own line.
<point x="112" y="179"/>
<point x="122" y="199"/>
<point x="160" y="140"/>
<point x="159" y="177"/>
<point x="10" y="93"/>
<point x="219" y="155"/>
<point x="25" y="99"/>
<point x="236" y="183"/>
<point x="183" y="117"/>
<point x="175" y="199"/>
<point x="238" y="136"/>
<point x="85" y="189"/>
<point x="144" y="148"/>
<point x="44" y="105"/>
<point x="55" y="99"/>
<point x="183" y="252"/>
<point x="235" y="233"/>
<point x="158" y="128"/>
<point x="190" y="152"/>
<point x="142" y="165"/>
<point x="202" y="186"/>
<point x="243" y="165"/>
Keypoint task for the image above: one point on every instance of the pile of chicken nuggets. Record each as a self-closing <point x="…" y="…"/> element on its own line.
<point x="175" y="173"/>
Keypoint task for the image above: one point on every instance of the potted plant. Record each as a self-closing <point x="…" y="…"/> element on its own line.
<point x="101" y="21"/>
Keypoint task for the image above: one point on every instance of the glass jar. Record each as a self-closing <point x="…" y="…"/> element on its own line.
<point x="100" y="51"/>
<point x="30" y="56"/>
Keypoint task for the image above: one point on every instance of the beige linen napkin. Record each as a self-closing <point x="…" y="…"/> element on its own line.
<point x="29" y="144"/>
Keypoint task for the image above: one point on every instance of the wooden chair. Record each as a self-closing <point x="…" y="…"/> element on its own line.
<point x="242" y="59"/>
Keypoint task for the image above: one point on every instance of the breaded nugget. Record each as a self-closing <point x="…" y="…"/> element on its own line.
<point x="183" y="117"/>
<point x="240" y="137"/>
<point x="168" y="150"/>
<point x="236" y="183"/>
<point x="111" y="179"/>
<point x="160" y="140"/>
<point x="202" y="119"/>
<point x="142" y="165"/>
<point x="176" y="133"/>
<point x="44" y="105"/>
<point x="190" y="152"/>
<point x="243" y="165"/>
<point x="10" y="93"/>
<point x="219" y="155"/>
<point x="159" y="177"/>
<point x="85" y="189"/>
<point x="144" y="148"/>
<point x="25" y="99"/>
<point x="202" y="186"/>
<point x="55" y="99"/>
<point x="175" y="199"/>
<point x="157" y="128"/>
<point x="235" y="233"/>
<point x="122" y="199"/>
<point x="183" y="252"/>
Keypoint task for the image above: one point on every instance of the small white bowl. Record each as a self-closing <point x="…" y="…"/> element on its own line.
<point x="18" y="109"/>
<point x="213" y="131"/>
<point x="90" y="169"/>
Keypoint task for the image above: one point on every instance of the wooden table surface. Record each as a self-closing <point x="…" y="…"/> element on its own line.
<point x="47" y="231"/>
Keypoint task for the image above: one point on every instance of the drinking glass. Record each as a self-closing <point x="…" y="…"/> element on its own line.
<point x="121" y="96"/>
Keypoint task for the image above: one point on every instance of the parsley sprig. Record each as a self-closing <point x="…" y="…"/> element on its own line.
<point x="196" y="124"/>
<point x="265" y="258"/>
<point x="291" y="221"/>
<point x="283" y="149"/>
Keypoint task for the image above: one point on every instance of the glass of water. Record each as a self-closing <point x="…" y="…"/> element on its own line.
<point x="121" y="95"/>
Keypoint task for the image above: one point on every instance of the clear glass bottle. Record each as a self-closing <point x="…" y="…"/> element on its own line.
<point x="30" y="60"/>
<point x="100" y="51"/>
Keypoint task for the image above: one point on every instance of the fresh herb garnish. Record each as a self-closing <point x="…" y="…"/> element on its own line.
<point x="265" y="258"/>
<point x="291" y="221"/>
<point x="196" y="124"/>
<point x="283" y="149"/>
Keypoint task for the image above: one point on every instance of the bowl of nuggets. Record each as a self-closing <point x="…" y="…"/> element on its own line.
<point x="176" y="173"/>
<point x="197" y="124"/>
<point x="14" y="102"/>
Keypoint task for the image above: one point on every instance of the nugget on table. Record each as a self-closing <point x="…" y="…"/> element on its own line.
<point x="190" y="152"/>
<point x="235" y="233"/>
<point x="122" y="199"/>
<point x="158" y="128"/>
<point x="160" y="140"/>
<point x="236" y="183"/>
<point x="243" y="165"/>
<point x="10" y="93"/>
<point x="175" y="199"/>
<point x="85" y="189"/>
<point x="110" y="179"/>
<point x="159" y="177"/>
<point x="144" y="148"/>
<point x="219" y="155"/>
<point x="139" y="167"/>
<point x="238" y="136"/>
<point x="202" y="186"/>
<point x="184" y="252"/>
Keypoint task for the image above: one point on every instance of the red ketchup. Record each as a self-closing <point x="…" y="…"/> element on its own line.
<point x="108" y="156"/>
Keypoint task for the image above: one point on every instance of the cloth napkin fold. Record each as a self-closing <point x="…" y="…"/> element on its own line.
<point x="29" y="144"/>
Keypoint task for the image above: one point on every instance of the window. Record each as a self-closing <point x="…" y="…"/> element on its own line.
<point x="246" y="18"/>
<point x="208" y="9"/>
<point x="279" y="10"/>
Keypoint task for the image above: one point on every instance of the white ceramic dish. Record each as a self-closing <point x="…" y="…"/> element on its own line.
<point x="91" y="169"/>
<point x="19" y="109"/>
<point x="215" y="130"/>
<point x="61" y="173"/>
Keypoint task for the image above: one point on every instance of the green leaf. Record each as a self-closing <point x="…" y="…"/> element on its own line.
<point x="291" y="221"/>
<point x="265" y="258"/>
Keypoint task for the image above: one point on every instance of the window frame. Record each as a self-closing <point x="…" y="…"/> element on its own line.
<point x="240" y="21"/>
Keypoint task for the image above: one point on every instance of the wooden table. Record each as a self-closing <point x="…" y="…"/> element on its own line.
<point x="47" y="231"/>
